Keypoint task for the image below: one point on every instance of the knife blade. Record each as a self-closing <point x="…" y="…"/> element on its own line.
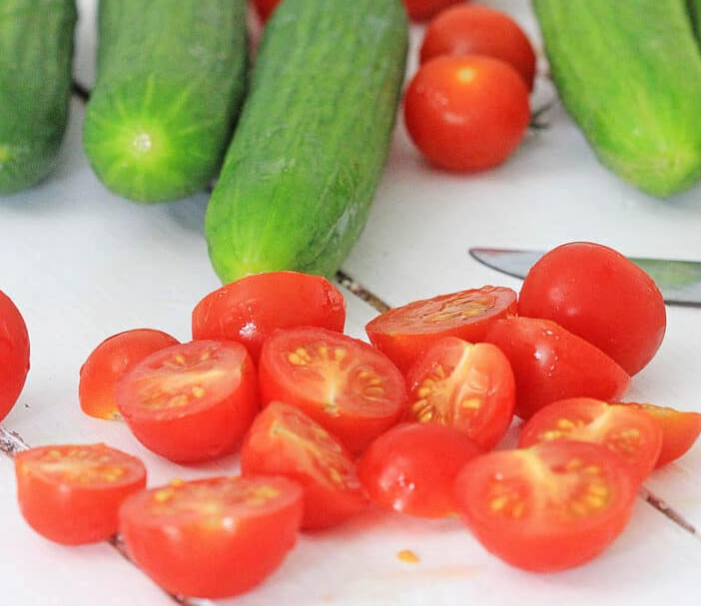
<point x="679" y="281"/>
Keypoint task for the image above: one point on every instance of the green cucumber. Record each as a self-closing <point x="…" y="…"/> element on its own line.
<point x="302" y="170"/>
<point x="629" y="73"/>
<point x="36" y="52"/>
<point x="171" y="79"/>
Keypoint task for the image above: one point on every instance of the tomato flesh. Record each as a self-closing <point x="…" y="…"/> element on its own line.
<point x="406" y="333"/>
<point x="191" y="402"/>
<point x="14" y="354"/>
<point x="468" y="387"/>
<point x="412" y="468"/>
<point x="212" y="538"/>
<point x="284" y="441"/>
<point x="551" y="507"/>
<point x="71" y="494"/>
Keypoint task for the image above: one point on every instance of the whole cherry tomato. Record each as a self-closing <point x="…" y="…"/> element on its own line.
<point x="14" y="354"/>
<point x="422" y="10"/>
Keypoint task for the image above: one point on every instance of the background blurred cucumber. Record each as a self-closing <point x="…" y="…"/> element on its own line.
<point x="171" y="79"/>
<point x="36" y="51"/>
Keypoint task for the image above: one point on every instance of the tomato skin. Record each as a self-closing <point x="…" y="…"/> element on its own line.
<point x="265" y="8"/>
<point x="68" y="512"/>
<point x="174" y="536"/>
<point x="404" y="334"/>
<point x="110" y="361"/>
<point x="251" y="309"/>
<point x="369" y="393"/>
<point x="283" y="441"/>
<point x="475" y="29"/>
<point x="468" y="387"/>
<point x="546" y="525"/>
<point x="598" y="294"/>
<point x="467" y="113"/>
<point x="14" y="354"/>
<point x="412" y="468"/>
<point x="423" y="10"/>
<point x="591" y="420"/>
<point x="552" y="364"/>
<point x="205" y="427"/>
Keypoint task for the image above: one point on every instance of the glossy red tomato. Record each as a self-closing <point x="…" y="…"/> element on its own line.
<point x="680" y="430"/>
<point x="468" y="387"/>
<point x="265" y="8"/>
<point x="412" y="468"/>
<point x="630" y="433"/>
<point x="406" y="333"/>
<point x="467" y="113"/>
<point x="348" y="387"/>
<point x="552" y="364"/>
<point x="212" y="538"/>
<point x="71" y="494"/>
<point x="547" y="508"/>
<point x="475" y="29"/>
<point x="422" y="10"/>
<point x="598" y="294"/>
<point x="284" y="441"/>
<point x="250" y="309"/>
<point x="110" y="361"/>
<point x="14" y="354"/>
<point x="191" y="402"/>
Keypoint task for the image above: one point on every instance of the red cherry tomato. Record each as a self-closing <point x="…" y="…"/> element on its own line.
<point x="680" y="430"/>
<point x="468" y="387"/>
<point x="412" y="468"/>
<point x="552" y="364"/>
<point x="474" y="29"/>
<point x="265" y="8"/>
<point x="191" y="402"/>
<point x="630" y="433"/>
<point x="599" y="295"/>
<point x="423" y="10"/>
<point x="467" y="113"/>
<point x="349" y="388"/>
<point x="284" y="441"/>
<point x="406" y="333"/>
<point x="14" y="354"/>
<point x="212" y="538"/>
<point x="250" y="309"/>
<point x="110" y="361"/>
<point x="72" y="494"/>
<point x="548" y="508"/>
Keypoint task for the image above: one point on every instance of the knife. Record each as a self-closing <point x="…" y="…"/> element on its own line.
<point x="679" y="281"/>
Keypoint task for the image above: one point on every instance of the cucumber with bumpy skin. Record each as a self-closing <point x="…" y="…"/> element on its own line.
<point x="302" y="170"/>
<point x="36" y="52"/>
<point x="171" y="79"/>
<point x="629" y="72"/>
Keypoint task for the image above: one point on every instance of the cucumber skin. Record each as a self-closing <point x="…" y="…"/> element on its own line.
<point x="36" y="53"/>
<point x="177" y="76"/>
<point x="309" y="150"/>
<point x="629" y="73"/>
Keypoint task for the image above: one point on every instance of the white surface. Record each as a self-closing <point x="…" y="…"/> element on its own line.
<point x="83" y="264"/>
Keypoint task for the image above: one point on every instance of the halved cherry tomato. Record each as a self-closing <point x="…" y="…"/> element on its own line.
<point x="412" y="468"/>
<point x="284" y="441"/>
<point x="630" y="433"/>
<point x="349" y="388"/>
<point x="475" y="29"/>
<point x="212" y="538"/>
<point x="600" y="295"/>
<point x="71" y="494"/>
<point x="14" y="354"/>
<point x="265" y="8"/>
<point x="405" y="333"/>
<point x="250" y="309"/>
<point x="422" y="10"/>
<point x="552" y="364"/>
<point x="547" y="508"/>
<point x="191" y="402"/>
<point x="468" y="387"/>
<point x="680" y="430"/>
<point x="110" y="361"/>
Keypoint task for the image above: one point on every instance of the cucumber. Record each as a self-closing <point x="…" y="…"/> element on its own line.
<point x="171" y="80"/>
<point x="629" y="73"/>
<point x="302" y="170"/>
<point x="36" y="52"/>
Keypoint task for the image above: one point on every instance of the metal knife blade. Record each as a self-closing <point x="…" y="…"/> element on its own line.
<point x="679" y="281"/>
